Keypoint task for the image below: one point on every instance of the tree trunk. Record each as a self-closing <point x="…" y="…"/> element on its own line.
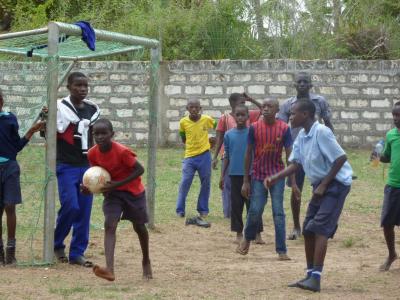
<point x="259" y="20"/>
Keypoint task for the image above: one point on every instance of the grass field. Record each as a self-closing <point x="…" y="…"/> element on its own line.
<point x="192" y="262"/>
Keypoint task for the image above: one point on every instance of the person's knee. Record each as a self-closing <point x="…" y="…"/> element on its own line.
<point x="140" y="228"/>
<point x="9" y="209"/>
<point x="110" y="224"/>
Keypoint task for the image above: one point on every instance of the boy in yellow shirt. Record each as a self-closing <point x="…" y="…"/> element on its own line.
<point x="193" y="130"/>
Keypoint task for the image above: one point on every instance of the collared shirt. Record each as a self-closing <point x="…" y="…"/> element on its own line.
<point x="316" y="151"/>
<point x="268" y="141"/>
<point x="322" y="111"/>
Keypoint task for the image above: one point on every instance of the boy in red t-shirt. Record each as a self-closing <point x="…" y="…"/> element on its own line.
<point x="124" y="195"/>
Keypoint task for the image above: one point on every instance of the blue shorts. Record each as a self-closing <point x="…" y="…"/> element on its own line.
<point x="323" y="214"/>
<point x="299" y="175"/>
<point x="391" y="207"/>
<point x="10" y="187"/>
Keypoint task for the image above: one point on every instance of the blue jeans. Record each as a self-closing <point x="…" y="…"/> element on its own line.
<point x="258" y="199"/>
<point x="226" y="194"/>
<point x="74" y="211"/>
<point x="202" y="164"/>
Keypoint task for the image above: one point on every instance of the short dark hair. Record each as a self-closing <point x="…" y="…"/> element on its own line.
<point x="396" y="104"/>
<point x="243" y="107"/>
<point x="234" y="97"/>
<point x="105" y="122"/>
<point x="75" y="75"/>
<point x="306" y="105"/>
<point x="305" y="74"/>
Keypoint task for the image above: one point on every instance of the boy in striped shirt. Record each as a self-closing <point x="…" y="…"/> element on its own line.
<point x="267" y="138"/>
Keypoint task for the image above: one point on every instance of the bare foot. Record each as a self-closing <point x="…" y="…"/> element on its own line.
<point x="388" y="262"/>
<point x="239" y="237"/>
<point x="259" y="240"/>
<point x="103" y="273"/>
<point x="295" y="234"/>
<point x="283" y="256"/>
<point x="147" y="272"/>
<point x="243" y="247"/>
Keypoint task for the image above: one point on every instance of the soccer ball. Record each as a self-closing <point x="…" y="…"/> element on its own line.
<point x="95" y="178"/>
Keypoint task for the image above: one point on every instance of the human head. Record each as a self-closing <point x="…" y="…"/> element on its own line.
<point x="269" y="109"/>
<point x="236" y="99"/>
<point x="302" y="83"/>
<point x="194" y="108"/>
<point x="103" y="133"/>
<point x="77" y="84"/>
<point x="301" y="112"/>
<point x="241" y="115"/>
<point x="396" y="114"/>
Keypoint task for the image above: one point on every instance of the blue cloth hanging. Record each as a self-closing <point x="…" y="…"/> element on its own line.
<point x="88" y="34"/>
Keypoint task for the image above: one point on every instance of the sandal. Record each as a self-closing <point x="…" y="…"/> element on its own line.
<point x="81" y="261"/>
<point x="60" y="255"/>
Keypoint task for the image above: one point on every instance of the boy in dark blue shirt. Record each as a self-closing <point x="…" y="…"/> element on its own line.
<point x="10" y="189"/>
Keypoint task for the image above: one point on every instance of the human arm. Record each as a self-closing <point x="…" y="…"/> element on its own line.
<point x="35" y="128"/>
<point x="218" y="145"/>
<point x="293" y="184"/>
<point x="225" y="161"/>
<point x="387" y="151"/>
<point x="289" y="170"/>
<point x="337" y="165"/>
<point x="326" y="113"/>
<point x="251" y="100"/>
<point x="137" y="171"/>
<point x="246" y="177"/>
<point x="224" y="170"/>
<point x="182" y="132"/>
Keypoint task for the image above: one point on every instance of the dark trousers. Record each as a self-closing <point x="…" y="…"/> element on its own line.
<point x="237" y="204"/>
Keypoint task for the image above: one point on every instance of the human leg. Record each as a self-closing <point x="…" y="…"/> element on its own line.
<point x="203" y="163"/>
<point x="226" y="194"/>
<point x="81" y="226"/>
<point x="295" y="205"/>
<point x="143" y="235"/>
<point x="68" y="179"/>
<point x="2" y="257"/>
<point x="188" y="170"/>
<point x="11" y="227"/>
<point x="389" y="219"/>
<point x="257" y="204"/>
<point x="278" y="214"/>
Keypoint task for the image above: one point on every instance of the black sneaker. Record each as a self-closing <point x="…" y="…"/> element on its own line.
<point x="310" y="284"/>
<point x="296" y="284"/>
<point x="10" y="255"/>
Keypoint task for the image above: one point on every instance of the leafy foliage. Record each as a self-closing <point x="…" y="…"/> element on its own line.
<point x="234" y="29"/>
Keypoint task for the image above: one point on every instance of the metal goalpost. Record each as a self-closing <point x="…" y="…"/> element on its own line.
<point x="53" y="55"/>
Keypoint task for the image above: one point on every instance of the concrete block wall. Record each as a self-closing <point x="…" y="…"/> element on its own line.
<point x="360" y="93"/>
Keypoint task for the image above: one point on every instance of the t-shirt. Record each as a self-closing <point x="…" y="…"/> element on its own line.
<point x="69" y="149"/>
<point x="235" y="143"/>
<point x="10" y="141"/>
<point x="196" y="134"/>
<point x="268" y="141"/>
<point x="316" y="151"/>
<point x="392" y="151"/>
<point x="227" y="122"/>
<point x="322" y="111"/>
<point x="119" y="162"/>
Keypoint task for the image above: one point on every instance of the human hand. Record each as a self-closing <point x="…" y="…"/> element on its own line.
<point x="109" y="186"/>
<point x="247" y="97"/>
<point x="40" y="125"/>
<point x="84" y="190"/>
<point x="246" y="190"/>
<point x="269" y="181"/>
<point x="212" y="141"/>
<point x="221" y="183"/>
<point x="296" y="192"/>
<point x="319" y="191"/>
<point x="214" y="163"/>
